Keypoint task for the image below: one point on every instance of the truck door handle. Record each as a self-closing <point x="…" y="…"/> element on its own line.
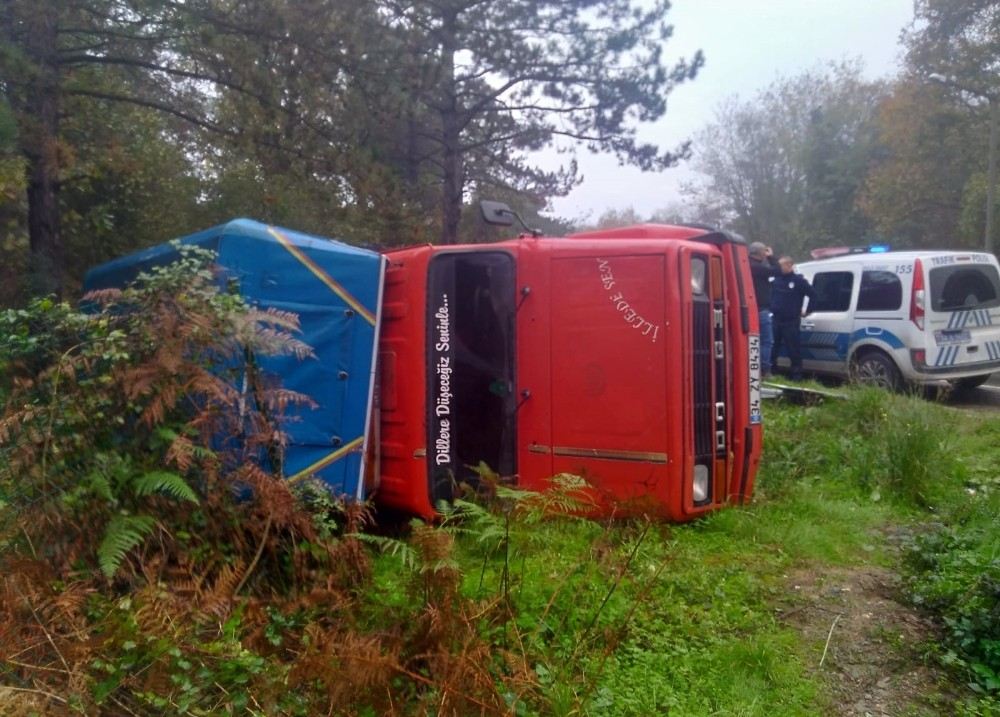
<point x="808" y="325"/>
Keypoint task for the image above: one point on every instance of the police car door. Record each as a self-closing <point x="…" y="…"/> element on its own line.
<point x="826" y="331"/>
<point x="880" y="319"/>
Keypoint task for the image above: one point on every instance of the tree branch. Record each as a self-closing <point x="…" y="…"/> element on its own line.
<point x="154" y="105"/>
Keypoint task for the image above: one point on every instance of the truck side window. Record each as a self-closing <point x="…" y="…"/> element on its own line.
<point x="880" y="291"/>
<point x="833" y="291"/>
<point x="470" y="370"/>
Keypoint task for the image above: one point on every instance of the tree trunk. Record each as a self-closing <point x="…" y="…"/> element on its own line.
<point x="39" y="127"/>
<point x="452" y="179"/>
<point x="994" y="106"/>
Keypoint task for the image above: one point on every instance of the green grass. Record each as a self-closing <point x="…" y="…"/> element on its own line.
<point x="691" y="629"/>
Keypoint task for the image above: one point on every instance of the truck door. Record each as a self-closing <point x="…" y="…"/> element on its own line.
<point x="609" y="357"/>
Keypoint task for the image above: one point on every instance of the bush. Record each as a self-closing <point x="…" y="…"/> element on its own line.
<point x="955" y="573"/>
<point x="882" y="446"/>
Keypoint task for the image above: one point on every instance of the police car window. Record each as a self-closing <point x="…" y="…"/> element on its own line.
<point x="962" y="286"/>
<point x="880" y="291"/>
<point x="833" y="291"/>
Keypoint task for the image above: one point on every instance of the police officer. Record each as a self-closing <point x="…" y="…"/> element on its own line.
<point x="788" y="290"/>
<point x="764" y="268"/>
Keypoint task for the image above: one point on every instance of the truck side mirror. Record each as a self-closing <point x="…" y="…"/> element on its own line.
<point x="500" y="214"/>
<point x="496" y="213"/>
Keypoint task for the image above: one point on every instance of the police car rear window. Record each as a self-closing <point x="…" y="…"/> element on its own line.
<point x="962" y="286"/>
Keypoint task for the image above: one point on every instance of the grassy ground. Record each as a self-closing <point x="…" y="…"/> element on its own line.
<point x="634" y="619"/>
<point x="864" y="578"/>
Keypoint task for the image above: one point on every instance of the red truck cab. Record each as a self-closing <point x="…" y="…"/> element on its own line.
<point x="629" y="357"/>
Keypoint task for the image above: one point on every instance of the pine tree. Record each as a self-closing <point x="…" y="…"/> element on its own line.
<point x="489" y="82"/>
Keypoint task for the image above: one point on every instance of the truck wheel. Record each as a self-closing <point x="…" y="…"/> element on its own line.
<point x="970" y="382"/>
<point x="874" y="368"/>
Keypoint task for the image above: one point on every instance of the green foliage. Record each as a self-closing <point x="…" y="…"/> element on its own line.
<point x="399" y="549"/>
<point x="917" y="453"/>
<point x="570" y="71"/>
<point x="97" y="425"/>
<point x="164" y="482"/>
<point x="375" y="119"/>
<point x="123" y="533"/>
<point x="880" y="456"/>
<point x="516" y="603"/>
<point x="959" y="40"/>
<point x="921" y="189"/>
<point x="874" y="444"/>
<point x="954" y="571"/>
<point x="787" y="166"/>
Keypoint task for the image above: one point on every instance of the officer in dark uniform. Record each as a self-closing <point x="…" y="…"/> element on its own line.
<point x="787" y="294"/>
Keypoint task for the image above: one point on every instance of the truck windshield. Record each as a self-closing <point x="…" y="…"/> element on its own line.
<point x="470" y="369"/>
<point x="964" y="286"/>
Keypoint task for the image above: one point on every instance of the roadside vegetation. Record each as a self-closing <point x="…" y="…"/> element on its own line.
<point x="149" y="565"/>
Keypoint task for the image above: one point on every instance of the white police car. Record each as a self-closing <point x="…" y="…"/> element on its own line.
<point x="886" y="317"/>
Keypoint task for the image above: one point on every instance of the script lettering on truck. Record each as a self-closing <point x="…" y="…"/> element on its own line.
<point x="629" y="314"/>
<point x="443" y="369"/>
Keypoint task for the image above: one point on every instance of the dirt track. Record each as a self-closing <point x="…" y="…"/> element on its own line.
<point x="870" y="644"/>
<point x="866" y="643"/>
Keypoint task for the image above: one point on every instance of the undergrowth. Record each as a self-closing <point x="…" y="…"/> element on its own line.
<point x="953" y="570"/>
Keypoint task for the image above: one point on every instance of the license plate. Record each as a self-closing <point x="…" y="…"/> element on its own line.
<point x="952" y="337"/>
<point x="756" y="415"/>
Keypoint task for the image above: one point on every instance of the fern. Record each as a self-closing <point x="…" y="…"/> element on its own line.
<point x="100" y="485"/>
<point x="463" y="517"/>
<point x="123" y="533"/>
<point x="164" y="482"/>
<point x="390" y="546"/>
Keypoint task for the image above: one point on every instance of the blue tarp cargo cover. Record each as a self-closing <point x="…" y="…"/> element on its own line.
<point x="336" y="290"/>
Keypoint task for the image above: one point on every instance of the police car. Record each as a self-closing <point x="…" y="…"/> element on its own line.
<point x="887" y="318"/>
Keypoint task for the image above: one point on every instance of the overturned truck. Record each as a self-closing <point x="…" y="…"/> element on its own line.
<point x="629" y="357"/>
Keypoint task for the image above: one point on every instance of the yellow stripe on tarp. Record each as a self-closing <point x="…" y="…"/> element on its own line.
<point x="323" y="276"/>
<point x="327" y="460"/>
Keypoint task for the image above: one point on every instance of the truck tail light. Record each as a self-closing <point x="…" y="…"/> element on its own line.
<point x="917" y="295"/>
<point x="918" y="357"/>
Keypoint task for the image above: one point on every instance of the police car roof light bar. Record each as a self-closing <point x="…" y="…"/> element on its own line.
<point x="830" y="252"/>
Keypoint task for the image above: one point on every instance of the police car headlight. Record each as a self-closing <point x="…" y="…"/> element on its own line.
<point x="699" y="486"/>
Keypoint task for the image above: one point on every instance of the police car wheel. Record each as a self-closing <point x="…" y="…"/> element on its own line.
<point x="876" y="369"/>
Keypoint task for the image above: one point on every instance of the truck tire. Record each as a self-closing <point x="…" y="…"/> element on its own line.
<point x="874" y="368"/>
<point x="970" y="382"/>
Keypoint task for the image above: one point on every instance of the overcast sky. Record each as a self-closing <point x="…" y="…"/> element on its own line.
<point x="747" y="44"/>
